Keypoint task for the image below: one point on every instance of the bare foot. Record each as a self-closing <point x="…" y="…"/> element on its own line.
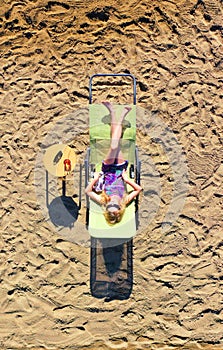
<point x="124" y="113"/>
<point x="108" y="105"/>
<point x="127" y="109"/>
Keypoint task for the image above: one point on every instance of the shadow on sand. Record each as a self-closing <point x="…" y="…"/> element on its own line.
<point x="111" y="268"/>
<point x="63" y="210"/>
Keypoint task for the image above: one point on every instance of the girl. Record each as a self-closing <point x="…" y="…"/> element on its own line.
<point x="114" y="170"/>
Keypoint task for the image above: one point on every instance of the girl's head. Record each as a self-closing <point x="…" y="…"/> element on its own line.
<point x="113" y="214"/>
<point x="113" y="209"/>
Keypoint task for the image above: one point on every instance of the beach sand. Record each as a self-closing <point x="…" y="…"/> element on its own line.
<point x="48" y="51"/>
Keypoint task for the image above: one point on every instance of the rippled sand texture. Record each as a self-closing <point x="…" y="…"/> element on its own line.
<point x="48" y="51"/>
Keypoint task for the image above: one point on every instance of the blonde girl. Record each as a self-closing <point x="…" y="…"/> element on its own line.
<point x="114" y="168"/>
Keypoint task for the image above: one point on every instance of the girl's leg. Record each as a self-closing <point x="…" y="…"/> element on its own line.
<point x="118" y="134"/>
<point x="114" y="152"/>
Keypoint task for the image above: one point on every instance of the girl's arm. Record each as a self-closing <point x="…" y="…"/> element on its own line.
<point x="136" y="188"/>
<point x="89" y="189"/>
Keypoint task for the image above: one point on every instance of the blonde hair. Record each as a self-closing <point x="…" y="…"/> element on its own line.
<point x="110" y="217"/>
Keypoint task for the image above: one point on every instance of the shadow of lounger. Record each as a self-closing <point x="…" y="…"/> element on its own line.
<point x="111" y="269"/>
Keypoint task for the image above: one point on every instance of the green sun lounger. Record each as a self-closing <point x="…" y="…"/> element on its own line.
<point x="99" y="121"/>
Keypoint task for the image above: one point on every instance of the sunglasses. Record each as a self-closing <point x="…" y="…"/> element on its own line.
<point x="113" y="206"/>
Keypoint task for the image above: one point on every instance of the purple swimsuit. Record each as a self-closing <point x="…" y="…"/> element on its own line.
<point x="113" y="182"/>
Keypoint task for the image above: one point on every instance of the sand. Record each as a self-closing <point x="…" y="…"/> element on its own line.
<point x="48" y="51"/>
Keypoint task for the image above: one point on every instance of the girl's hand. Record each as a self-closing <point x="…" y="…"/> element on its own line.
<point x="125" y="175"/>
<point x="96" y="176"/>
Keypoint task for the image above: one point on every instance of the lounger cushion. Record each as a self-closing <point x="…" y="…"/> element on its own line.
<point x="99" y="146"/>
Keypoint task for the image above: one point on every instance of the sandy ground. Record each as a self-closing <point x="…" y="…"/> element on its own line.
<point x="48" y="51"/>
